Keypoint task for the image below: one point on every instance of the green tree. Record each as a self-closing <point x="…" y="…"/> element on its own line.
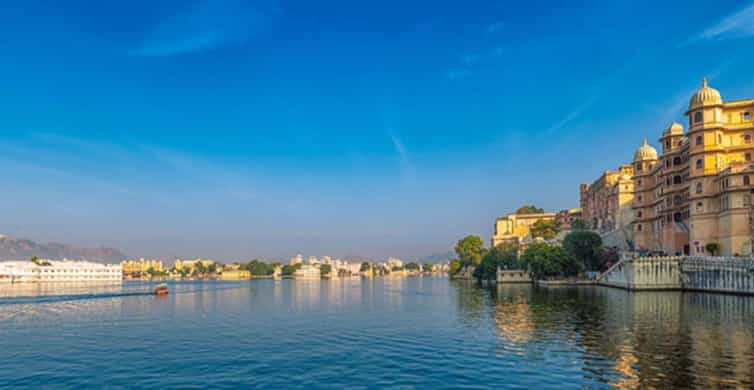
<point x="288" y="269"/>
<point x="712" y="248"/>
<point x="544" y="229"/>
<point x="544" y="261"/>
<point x="427" y="267"/>
<point x="259" y="268"/>
<point x="504" y="256"/>
<point x="455" y="266"/>
<point x="325" y="269"/>
<point x="530" y="209"/>
<point x="365" y="266"/>
<point x="579" y="224"/>
<point x="470" y="250"/>
<point x="586" y="247"/>
<point x="412" y="266"/>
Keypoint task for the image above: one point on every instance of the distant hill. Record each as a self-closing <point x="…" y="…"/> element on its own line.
<point x="22" y="249"/>
<point x="438" y="258"/>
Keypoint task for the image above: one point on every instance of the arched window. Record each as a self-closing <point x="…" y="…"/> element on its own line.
<point x="747" y="139"/>
<point x="699" y="140"/>
<point x="676" y="161"/>
<point x="747" y="116"/>
<point x="699" y="164"/>
<point x="677" y="179"/>
<point x="697" y="117"/>
<point x="677" y="217"/>
<point x="747" y="181"/>
<point x="698" y="188"/>
<point x="638" y="167"/>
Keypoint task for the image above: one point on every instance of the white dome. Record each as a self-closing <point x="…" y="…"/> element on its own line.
<point x="645" y="152"/>
<point x="705" y="96"/>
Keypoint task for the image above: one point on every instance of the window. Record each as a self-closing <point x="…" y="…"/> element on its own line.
<point x="699" y="206"/>
<point x="747" y="156"/>
<point x="747" y="139"/>
<point x="699" y="164"/>
<point x="676" y="161"/>
<point x="676" y="179"/>
<point x="677" y="200"/>
<point x="638" y="167"/>
<point x="746" y="116"/>
<point x="698" y="117"/>
<point x="639" y="198"/>
<point x="719" y="139"/>
<point x="638" y="182"/>
<point x="667" y="144"/>
<point x="699" y="140"/>
<point x="747" y="181"/>
<point x="638" y="227"/>
<point x="698" y="188"/>
<point x="638" y="214"/>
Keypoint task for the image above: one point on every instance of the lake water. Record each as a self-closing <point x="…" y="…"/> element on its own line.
<point x="425" y="332"/>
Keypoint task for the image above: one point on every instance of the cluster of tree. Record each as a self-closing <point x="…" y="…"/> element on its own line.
<point x="290" y="269"/>
<point x="545" y="229"/>
<point x="155" y="273"/>
<point x="530" y="209"/>
<point x="580" y="251"/>
<point x="325" y="269"/>
<point x="503" y="256"/>
<point x="258" y="268"/>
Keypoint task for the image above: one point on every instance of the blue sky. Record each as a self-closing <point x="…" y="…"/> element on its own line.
<point x="240" y="129"/>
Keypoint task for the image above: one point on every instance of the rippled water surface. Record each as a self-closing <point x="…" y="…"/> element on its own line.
<point x="416" y="332"/>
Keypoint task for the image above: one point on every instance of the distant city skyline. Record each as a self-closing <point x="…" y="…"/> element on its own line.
<point x="233" y="130"/>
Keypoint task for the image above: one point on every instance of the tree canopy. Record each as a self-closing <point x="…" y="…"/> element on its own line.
<point x="470" y="250"/>
<point x="530" y="209"/>
<point x="503" y="256"/>
<point x="545" y="260"/>
<point x="544" y="229"/>
<point x="586" y="248"/>
<point x="412" y="266"/>
<point x="579" y="224"/>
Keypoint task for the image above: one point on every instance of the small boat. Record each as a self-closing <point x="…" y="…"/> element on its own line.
<point x="161" y="289"/>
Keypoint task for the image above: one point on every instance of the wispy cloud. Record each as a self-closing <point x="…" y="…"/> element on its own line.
<point x="737" y="25"/>
<point x="469" y="61"/>
<point x="573" y="114"/>
<point x="407" y="166"/>
<point x="205" y="26"/>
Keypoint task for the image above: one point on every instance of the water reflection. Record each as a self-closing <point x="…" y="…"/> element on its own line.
<point x="623" y="339"/>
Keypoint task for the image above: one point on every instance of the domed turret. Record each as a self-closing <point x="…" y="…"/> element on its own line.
<point x="705" y="96"/>
<point x="675" y="128"/>
<point x="645" y="152"/>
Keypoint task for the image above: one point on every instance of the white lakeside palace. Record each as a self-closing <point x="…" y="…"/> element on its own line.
<point x="45" y="271"/>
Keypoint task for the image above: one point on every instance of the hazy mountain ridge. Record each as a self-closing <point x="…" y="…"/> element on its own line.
<point x="438" y="258"/>
<point x="22" y="249"/>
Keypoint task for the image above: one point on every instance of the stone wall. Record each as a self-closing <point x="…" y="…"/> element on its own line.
<point x="719" y="274"/>
<point x="713" y="274"/>
<point x="644" y="273"/>
<point x="513" y="276"/>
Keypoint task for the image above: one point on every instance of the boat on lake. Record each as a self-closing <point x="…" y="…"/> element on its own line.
<point x="161" y="289"/>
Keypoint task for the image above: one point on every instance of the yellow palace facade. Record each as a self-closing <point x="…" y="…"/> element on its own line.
<point x="698" y="190"/>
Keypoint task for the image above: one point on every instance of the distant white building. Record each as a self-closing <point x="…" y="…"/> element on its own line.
<point x="393" y="262"/>
<point x="307" y="271"/>
<point x="58" y="271"/>
<point x="298" y="259"/>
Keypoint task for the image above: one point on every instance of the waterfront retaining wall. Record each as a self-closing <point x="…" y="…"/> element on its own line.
<point x="719" y="274"/>
<point x="513" y="276"/>
<point x="714" y="274"/>
<point x="645" y="273"/>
